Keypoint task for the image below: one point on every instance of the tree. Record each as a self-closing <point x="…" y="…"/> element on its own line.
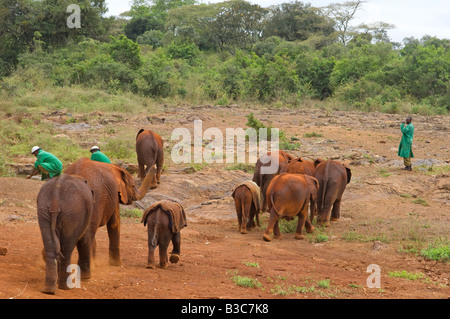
<point x="342" y="14"/>
<point x="296" y="21"/>
<point x="376" y="32"/>
<point x="145" y="17"/>
<point x="230" y="25"/>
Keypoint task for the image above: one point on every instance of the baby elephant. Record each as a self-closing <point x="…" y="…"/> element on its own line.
<point x="247" y="201"/>
<point x="64" y="209"/>
<point x="165" y="219"/>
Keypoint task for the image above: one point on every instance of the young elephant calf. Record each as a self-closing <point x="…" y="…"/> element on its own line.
<point x="164" y="220"/>
<point x="64" y="210"/>
<point x="247" y="200"/>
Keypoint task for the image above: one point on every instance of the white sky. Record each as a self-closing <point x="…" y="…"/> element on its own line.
<point x="412" y="18"/>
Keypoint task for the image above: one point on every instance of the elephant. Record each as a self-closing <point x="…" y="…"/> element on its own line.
<point x="299" y="166"/>
<point x="263" y="180"/>
<point x="149" y="150"/>
<point x="164" y="220"/>
<point x="247" y="200"/>
<point x="64" y="211"/>
<point x="333" y="178"/>
<point x="112" y="185"/>
<point x="288" y="195"/>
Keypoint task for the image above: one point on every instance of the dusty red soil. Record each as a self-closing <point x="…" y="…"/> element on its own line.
<point x="379" y="220"/>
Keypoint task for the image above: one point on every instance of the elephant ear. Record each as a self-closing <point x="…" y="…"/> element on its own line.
<point x="297" y="159"/>
<point x="318" y="161"/>
<point x="288" y="157"/>
<point x="349" y="173"/>
<point x="122" y="184"/>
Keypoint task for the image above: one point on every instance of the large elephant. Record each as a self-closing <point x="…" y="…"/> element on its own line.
<point x="150" y="151"/>
<point x="112" y="185"/>
<point x="333" y="178"/>
<point x="247" y="201"/>
<point x="64" y="210"/>
<point x="288" y="195"/>
<point x="262" y="179"/>
<point x="164" y="220"/>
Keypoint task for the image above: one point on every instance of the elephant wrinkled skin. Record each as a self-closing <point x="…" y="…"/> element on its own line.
<point x="247" y="201"/>
<point x="164" y="221"/>
<point x="263" y="180"/>
<point x="149" y="150"/>
<point x="333" y="178"/>
<point x="112" y="185"/>
<point x="288" y="196"/>
<point x="64" y="210"/>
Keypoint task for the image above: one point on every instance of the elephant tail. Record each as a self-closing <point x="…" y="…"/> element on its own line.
<point x="154" y="242"/>
<point x="324" y="188"/>
<point x="54" y="212"/>
<point x="273" y="205"/>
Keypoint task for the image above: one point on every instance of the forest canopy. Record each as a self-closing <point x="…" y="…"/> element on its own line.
<point x="232" y="51"/>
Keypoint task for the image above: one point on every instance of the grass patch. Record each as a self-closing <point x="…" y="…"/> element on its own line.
<point x="383" y="172"/>
<point x="439" y="250"/>
<point x="247" y="282"/>
<point x="323" y="283"/>
<point x="406" y="275"/>
<point x="313" y="134"/>
<point x="251" y="264"/>
<point x="130" y="212"/>
<point x="354" y="236"/>
<point x="421" y="201"/>
<point x="241" y="167"/>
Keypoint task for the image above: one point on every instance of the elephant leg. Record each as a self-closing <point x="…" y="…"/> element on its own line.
<point x="163" y="259"/>
<point x="84" y="256"/>
<point x="239" y="209"/>
<point x="141" y="171"/>
<point x="51" y="272"/>
<point x="64" y="264"/>
<point x="309" y="226"/>
<point x="152" y="244"/>
<point x="270" y="226"/>
<point x="302" y="218"/>
<point x="113" y="227"/>
<point x="336" y="211"/>
<point x="276" y="231"/>
<point x="323" y="217"/>
<point x="245" y="219"/>
<point x="151" y="256"/>
<point x="159" y="166"/>
<point x="176" y="242"/>
<point x="313" y="210"/>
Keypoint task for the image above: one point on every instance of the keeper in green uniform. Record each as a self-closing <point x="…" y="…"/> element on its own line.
<point x="48" y="164"/>
<point x="99" y="156"/>
<point x="405" y="147"/>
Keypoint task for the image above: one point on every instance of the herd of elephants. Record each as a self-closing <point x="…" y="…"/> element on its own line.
<point x="88" y="195"/>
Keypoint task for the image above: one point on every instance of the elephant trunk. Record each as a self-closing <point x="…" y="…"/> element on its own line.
<point x="149" y="179"/>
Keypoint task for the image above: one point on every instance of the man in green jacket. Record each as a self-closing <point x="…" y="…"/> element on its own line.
<point x="405" y="147"/>
<point x="48" y="164"/>
<point x="99" y="156"/>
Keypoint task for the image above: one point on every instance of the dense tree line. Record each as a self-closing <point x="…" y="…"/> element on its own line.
<point x="223" y="52"/>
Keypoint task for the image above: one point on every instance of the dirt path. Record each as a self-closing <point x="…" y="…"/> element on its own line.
<point x="382" y="221"/>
